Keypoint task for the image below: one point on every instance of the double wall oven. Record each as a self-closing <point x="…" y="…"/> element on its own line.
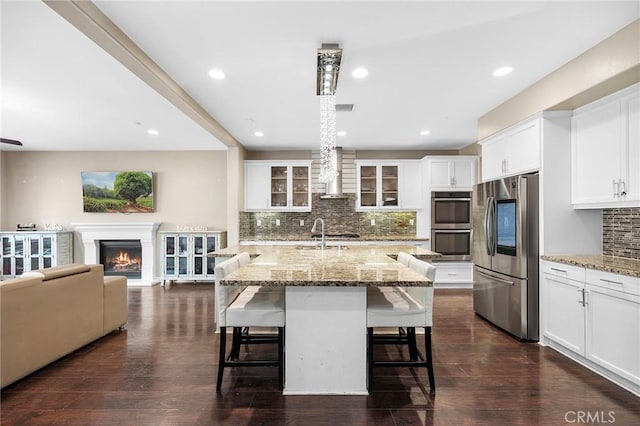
<point x="451" y="224"/>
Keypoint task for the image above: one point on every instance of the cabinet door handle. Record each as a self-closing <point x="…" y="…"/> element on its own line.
<point x="581" y="301"/>
<point x="611" y="282"/>
<point x="624" y="188"/>
<point x="615" y="188"/>
<point x="559" y="270"/>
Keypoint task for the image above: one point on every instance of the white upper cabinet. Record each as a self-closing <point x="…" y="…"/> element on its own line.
<point x="384" y="185"/>
<point x="451" y="172"/>
<point x="513" y="151"/>
<point x="282" y="186"/>
<point x="605" y="152"/>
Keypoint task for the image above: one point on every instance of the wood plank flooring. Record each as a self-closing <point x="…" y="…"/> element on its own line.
<point x="161" y="371"/>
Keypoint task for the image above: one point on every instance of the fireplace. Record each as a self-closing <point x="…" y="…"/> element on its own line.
<point x="121" y="257"/>
<point x="144" y="232"/>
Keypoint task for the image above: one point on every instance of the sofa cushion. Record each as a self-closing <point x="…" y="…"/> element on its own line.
<point x="61" y="271"/>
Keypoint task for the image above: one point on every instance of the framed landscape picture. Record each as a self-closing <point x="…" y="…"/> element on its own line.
<point x="117" y="192"/>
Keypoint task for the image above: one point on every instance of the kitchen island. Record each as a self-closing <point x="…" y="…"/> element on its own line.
<point x="326" y="302"/>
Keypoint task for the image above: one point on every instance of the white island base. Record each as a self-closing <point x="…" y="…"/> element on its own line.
<point x="326" y="341"/>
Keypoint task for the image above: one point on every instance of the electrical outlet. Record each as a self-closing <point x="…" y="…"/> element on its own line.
<point x="277" y="222"/>
<point x="259" y="222"/>
<point x="301" y="222"/>
<point x="373" y="222"/>
<point x="411" y="222"/>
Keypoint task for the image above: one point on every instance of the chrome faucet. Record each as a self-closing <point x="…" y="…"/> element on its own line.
<point x="313" y="230"/>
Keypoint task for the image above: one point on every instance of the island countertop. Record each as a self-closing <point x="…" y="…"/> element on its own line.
<point x="354" y="266"/>
<point x="390" y="250"/>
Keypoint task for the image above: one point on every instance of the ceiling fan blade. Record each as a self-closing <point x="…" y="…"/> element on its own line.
<point x="11" y="141"/>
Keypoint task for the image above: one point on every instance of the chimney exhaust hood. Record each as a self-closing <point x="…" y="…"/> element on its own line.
<point x="333" y="188"/>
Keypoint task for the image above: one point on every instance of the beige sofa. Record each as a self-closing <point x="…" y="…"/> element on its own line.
<point x="49" y="313"/>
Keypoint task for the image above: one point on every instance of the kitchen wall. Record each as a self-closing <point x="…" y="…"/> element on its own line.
<point x="45" y="187"/>
<point x="621" y="232"/>
<point x="339" y="216"/>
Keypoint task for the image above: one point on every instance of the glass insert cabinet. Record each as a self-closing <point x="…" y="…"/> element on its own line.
<point x="28" y="250"/>
<point x="277" y="186"/>
<point x="377" y="186"/>
<point x="184" y="255"/>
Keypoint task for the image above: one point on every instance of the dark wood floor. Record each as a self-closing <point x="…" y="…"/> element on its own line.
<point x="162" y="370"/>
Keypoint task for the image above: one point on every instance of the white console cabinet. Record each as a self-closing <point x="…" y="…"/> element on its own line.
<point x="29" y="250"/>
<point x="184" y="255"/>
<point x="594" y="318"/>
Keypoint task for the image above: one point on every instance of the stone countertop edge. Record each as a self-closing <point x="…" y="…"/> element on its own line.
<point x="616" y="265"/>
<point x="257" y="250"/>
<point x="360" y="238"/>
<point x="331" y="283"/>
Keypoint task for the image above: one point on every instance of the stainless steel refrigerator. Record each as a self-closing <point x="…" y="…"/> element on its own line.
<point x="505" y="254"/>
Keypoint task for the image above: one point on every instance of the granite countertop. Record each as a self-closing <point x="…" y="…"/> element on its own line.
<point x="336" y="238"/>
<point x="617" y="265"/>
<point x="390" y="250"/>
<point x="308" y="266"/>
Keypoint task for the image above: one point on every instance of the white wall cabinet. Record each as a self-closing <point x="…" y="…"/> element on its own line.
<point x="277" y="186"/>
<point x="594" y="315"/>
<point x="451" y="172"/>
<point x="184" y="255"/>
<point x="605" y="151"/>
<point x="513" y="151"/>
<point x="388" y="185"/>
<point x="27" y="251"/>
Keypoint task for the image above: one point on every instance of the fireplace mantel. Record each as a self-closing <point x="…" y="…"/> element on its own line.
<point x="92" y="233"/>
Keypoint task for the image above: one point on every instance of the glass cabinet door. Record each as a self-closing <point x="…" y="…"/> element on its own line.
<point x="47" y="251"/>
<point x="389" y="185"/>
<point x="279" y="186"/>
<point x="183" y="252"/>
<point x="198" y="254"/>
<point x="211" y="261"/>
<point x="19" y="253"/>
<point x="169" y="255"/>
<point x="6" y="256"/>
<point x="368" y="186"/>
<point x="34" y="253"/>
<point x="300" y="186"/>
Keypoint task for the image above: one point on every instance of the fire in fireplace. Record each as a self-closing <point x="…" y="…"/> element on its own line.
<point x="121" y="257"/>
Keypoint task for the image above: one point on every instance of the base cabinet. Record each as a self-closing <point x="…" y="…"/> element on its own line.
<point x="27" y="251"/>
<point x="453" y="274"/>
<point x="594" y="318"/>
<point x="184" y="255"/>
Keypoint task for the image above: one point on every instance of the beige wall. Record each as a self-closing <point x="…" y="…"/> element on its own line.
<point x="3" y="204"/>
<point x="278" y="155"/>
<point x="611" y="65"/>
<point x="400" y="154"/>
<point x="45" y="187"/>
<point x="235" y="192"/>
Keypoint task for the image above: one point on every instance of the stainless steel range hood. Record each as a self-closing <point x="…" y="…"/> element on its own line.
<point x="333" y="188"/>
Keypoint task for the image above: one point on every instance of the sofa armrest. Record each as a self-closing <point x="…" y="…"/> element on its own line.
<point x="115" y="303"/>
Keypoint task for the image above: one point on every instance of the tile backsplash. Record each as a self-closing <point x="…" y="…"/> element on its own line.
<point x="621" y="232"/>
<point x="340" y="217"/>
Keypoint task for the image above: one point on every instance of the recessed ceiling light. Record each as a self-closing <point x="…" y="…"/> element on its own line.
<point x="502" y="71"/>
<point x="216" y="74"/>
<point x="153" y="132"/>
<point x="360" y="73"/>
<point x="425" y="132"/>
<point x="258" y="133"/>
<point x="342" y="133"/>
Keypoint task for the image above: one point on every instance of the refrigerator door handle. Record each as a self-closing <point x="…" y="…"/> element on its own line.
<point x="491" y="226"/>
<point x="487" y="212"/>
<point x="511" y="283"/>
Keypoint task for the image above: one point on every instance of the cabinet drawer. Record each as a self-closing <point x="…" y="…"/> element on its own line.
<point x="623" y="283"/>
<point x="571" y="272"/>
<point x="453" y="273"/>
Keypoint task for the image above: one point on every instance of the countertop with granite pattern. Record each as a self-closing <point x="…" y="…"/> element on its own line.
<point x="398" y="238"/>
<point x="357" y="266"/>
<point x="390" y="250"/>
<point x="617" y="265"/>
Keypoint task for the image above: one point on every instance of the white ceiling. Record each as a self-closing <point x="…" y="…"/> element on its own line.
<point x="430" y="67"/>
